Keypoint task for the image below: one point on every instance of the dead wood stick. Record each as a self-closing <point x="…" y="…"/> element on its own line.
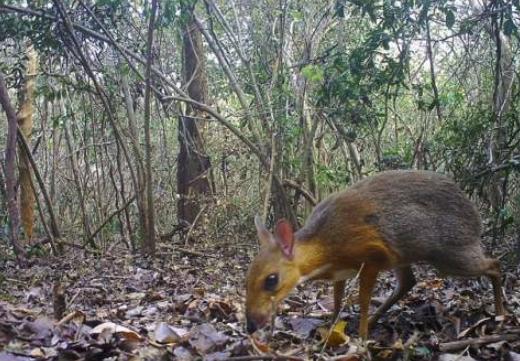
<point x="110" y="216"/>
<point x="458" y="345"/>
<point x="305" y="192"/>
<point x="73" y="298"/>
<point x="188" y="235"/>
<point x="71" y="316"/>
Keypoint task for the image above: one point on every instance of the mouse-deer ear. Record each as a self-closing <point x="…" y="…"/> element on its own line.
<point x="264" y="236"/>
<point x="284" y="236"/>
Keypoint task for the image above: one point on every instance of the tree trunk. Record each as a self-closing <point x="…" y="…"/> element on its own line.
<point x="24" y="147"/>
<point x="25" y="122"/>
<point x="433" y="80"/>
<point x="193" y="164"/>
<point x="504" y="75"/>
<point x="10" y="167"/>
<point x="3" y="194"/>
<point x="149" y="241"/>
<point x="138" y="157"/>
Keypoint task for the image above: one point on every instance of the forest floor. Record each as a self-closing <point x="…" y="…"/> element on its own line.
<point x="190" y="305"/>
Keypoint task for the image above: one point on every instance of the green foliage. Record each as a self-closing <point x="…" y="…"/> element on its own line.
<point x="37" y="251"/>
<point x="170" y="11"/>
<point x="313" y="73"/>
<point x="398" y="156"/>
<point x="297" y="15"/>
<point x="110" y="5"/>
<point x="331" y="177"/>
<point x="509" y="27"/>
<point x="38" y="30"/>
<point x="339" y="8"/>
<point x="452" y="98"/>
<point x="450" y="19"/>
<point x="368" y="73"/>
<point x="461" y="141"/>
<point x="352" y="81"/>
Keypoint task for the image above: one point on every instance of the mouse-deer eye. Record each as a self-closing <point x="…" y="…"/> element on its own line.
<point x="271" y="282"/>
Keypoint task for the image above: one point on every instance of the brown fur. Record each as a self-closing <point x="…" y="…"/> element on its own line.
<point x="416" y="213"/>
<point x="387" y="221"/>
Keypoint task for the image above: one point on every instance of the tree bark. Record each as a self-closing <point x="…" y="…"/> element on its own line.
<point x="22" y="143"/>
<point x="433" y="80"/>
<point x="149" y="241"/>
<point x="10" y="167"/>
<point x="25" y="122"/>
<point x="504" y="76"/>
<point x="193" y="163"/>
<point x="3" y="195"/>
<point x="138" y="157"/>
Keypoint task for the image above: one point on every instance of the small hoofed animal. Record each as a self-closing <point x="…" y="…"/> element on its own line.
<point x="388" y="221"/>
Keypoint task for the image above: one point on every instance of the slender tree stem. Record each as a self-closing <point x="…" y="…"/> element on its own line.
<point x="10" y="168"/>
<point x="150" y="214"/>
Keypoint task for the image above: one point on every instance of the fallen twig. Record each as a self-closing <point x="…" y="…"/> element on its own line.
<point x="188" y="235"/>
<point x="458" y="345"/>
<point x="71" y="316"/>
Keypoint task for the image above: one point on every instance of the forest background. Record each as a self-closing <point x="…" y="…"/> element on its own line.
<point x="144" y="121"/>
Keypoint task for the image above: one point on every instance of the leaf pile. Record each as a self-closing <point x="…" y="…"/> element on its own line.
<point x="187" y="306"/>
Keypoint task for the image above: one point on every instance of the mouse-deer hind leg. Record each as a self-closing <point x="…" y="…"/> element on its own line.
<point x="473" y="263"/>
<point x="495" y="275"/>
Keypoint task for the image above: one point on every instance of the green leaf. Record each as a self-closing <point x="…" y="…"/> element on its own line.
<point x="509" y="27"/>
<point x="297" y="15"/>
<point x="385" y="41"/>
<point x="313" y="73"/>
<point x="422" y="351"/>
<point x="450" y="19"/>
<point x="339" y="8"/>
